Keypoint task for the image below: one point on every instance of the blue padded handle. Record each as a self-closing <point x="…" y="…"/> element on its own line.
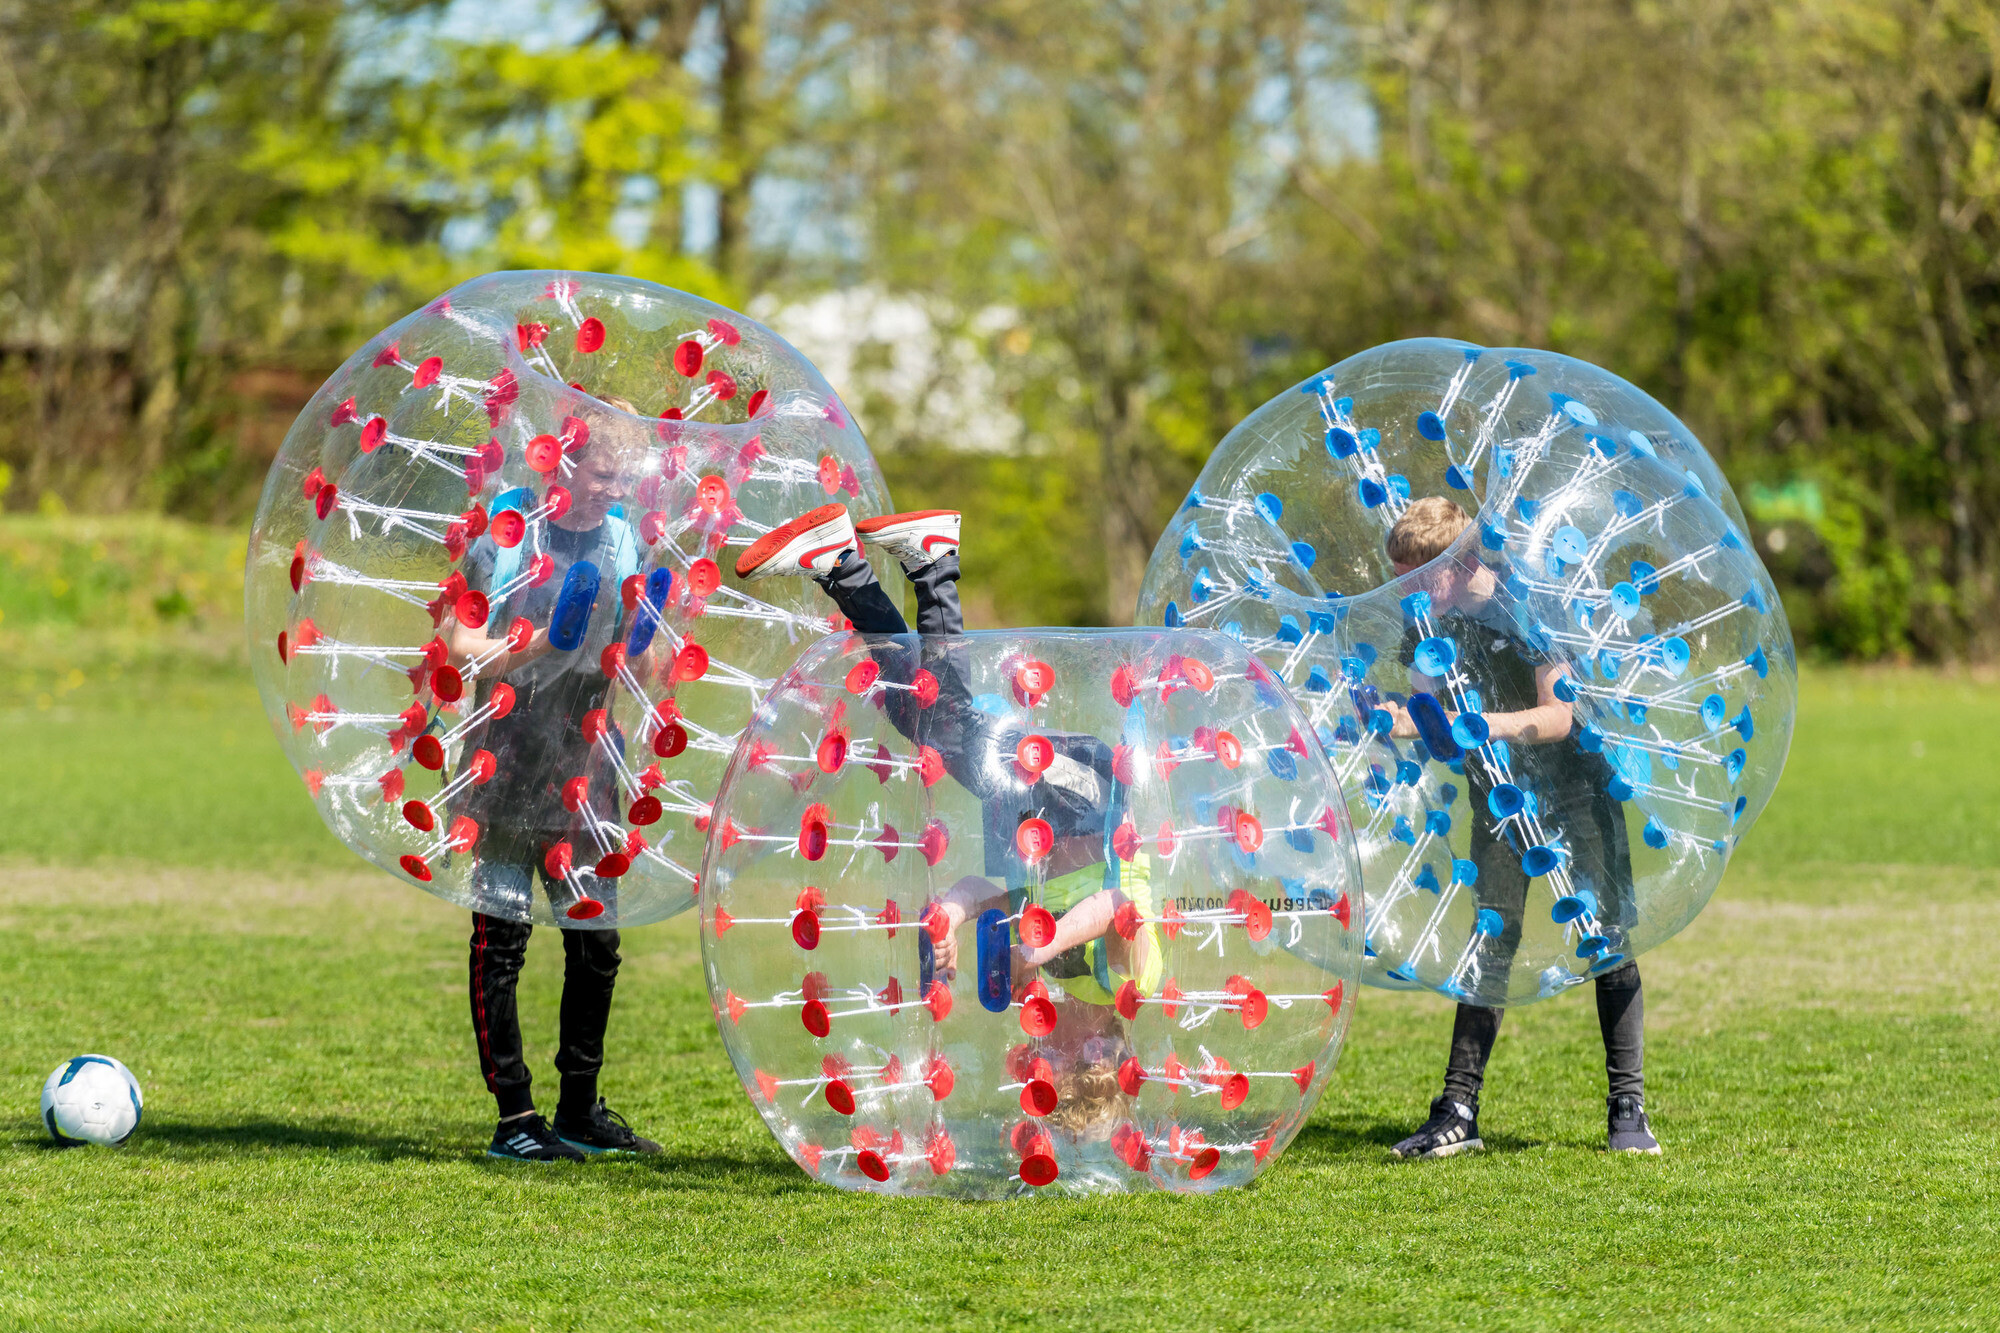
<point x="646" y="615"/>
<point x="995" y="961"/>
<point x="1435" y="729"/>
<point x="574" y="604"/>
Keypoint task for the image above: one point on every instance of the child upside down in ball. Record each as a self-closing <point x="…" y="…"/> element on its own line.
<point x="1046" y="842"/>
<point x="1570" y="785"/>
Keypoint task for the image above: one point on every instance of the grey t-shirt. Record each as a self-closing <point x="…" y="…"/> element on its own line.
<point x="539" y="745"/>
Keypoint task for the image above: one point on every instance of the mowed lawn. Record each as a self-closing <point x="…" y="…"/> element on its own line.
<point x="1824" y="1070"/>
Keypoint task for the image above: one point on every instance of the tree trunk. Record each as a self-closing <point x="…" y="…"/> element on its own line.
<point x="155" y="360"/>
<point x="742" y="50"/>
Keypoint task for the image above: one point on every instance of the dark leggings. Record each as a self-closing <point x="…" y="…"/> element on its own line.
<point x="858" y="593"/>
<point x="590" y="970"/>
<point x="1621" y="1017"/>
<point x="961" y="734"/>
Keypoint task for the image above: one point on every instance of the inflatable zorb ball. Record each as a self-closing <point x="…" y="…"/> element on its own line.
<point x="1604" y="588"/>
<point x="493" y="614"/>
<point x="1031" y="912"/>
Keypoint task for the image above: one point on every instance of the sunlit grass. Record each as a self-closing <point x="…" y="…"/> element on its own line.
<point x="1823" y="1065"/>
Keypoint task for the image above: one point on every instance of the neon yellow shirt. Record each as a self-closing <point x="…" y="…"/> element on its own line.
<point x="1097" y="982"/>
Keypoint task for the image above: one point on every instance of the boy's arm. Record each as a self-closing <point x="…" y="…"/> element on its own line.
<point x="964" y="898"/>
<point x="465" y="644"/>
<point x="1549" y="720"/>
<point x="1086" y="921"/>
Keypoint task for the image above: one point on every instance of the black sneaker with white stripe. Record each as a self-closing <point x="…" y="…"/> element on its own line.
<point x="528" y="1138"/>
<point x="1627" y="1129"/>
<point x="601" y="1131"/>
<point x="1452" y="1129"/>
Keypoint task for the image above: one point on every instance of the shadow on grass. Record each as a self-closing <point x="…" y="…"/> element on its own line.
<point x="718" y="1172"/>
<point x="715" y="1172"/>
<point x="185" y="1138"/>
<point x="1374" y="1138"/>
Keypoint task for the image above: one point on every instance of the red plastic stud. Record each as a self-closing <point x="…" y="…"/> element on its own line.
<point x="817" y="1021"/>
<point x="1034" y="839"/>
<point x="1038" y="1016"/>
<point x="543" y="453"/>
<point x="1038" y="1170"/>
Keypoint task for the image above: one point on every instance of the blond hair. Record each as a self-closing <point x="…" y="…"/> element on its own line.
<point x="1426" y="528"/>
<point x="1089" y="1103"/>
<point x="622" y="404"/>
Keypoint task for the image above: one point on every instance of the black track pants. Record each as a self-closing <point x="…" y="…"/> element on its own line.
<point x="1621" y="1020"/>
<point x="590" y="971"/>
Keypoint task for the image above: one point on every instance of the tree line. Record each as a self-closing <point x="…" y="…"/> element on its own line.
<point x="1782" y="217"/>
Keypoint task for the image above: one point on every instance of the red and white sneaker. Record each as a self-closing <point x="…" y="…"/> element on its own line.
<point x="809" y="544"/>
<point x="916" y="538"/>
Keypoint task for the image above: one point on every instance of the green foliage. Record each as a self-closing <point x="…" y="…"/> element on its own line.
<point x="134" y="573"/>
<point x="1783" y="220"/>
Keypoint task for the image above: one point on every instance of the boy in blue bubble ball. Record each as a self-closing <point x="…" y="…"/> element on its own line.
<point x="1522" y="709"/>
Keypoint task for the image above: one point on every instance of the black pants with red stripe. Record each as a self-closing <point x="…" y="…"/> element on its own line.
<point x="590" y="971"/>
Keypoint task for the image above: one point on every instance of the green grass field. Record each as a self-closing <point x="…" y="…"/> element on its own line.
<point x="1825" y="1073"/>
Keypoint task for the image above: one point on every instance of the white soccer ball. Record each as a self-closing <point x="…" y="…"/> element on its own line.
<point x="91" y="1099"/>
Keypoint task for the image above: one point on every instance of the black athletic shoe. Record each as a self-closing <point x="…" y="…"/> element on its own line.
<point x="1452" y="1129"/>
<point x="528" y="1138"/>
<point x="603" y="1131"/>
<point x="1628" y="1130"/>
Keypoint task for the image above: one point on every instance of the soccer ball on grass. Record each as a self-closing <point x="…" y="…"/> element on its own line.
<point x="91" y="1099"/>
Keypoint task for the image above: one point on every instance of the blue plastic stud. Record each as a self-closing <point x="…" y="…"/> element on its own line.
<point x="1581" y="903"/>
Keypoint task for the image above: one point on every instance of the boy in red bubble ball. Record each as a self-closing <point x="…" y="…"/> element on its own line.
<point x="1051" y="838"/>
<point x="520" y="811"/>
<point x="1571" y="786"/>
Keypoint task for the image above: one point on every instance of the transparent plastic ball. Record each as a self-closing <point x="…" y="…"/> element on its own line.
<point x="491" y="595"/>
<point x="1553" y="733"/>
<point x="1031" y="912"/>
<point x="91" y="1099"/>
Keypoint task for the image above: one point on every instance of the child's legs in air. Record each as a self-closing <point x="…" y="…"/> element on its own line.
<point x="852" y="585"/>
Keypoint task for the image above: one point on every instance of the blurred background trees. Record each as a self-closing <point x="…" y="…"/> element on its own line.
<point x="1051" y="252"/>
